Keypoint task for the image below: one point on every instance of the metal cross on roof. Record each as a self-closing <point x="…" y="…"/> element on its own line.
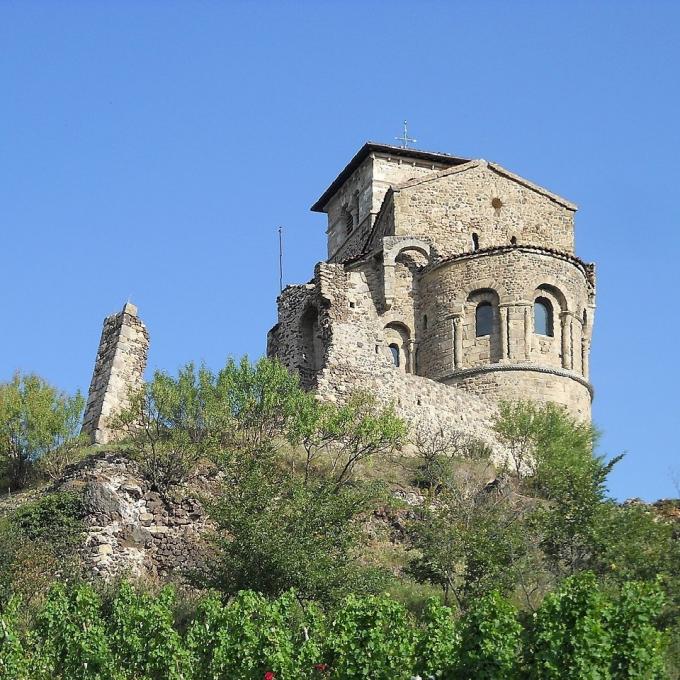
<point x="405" y="139"/>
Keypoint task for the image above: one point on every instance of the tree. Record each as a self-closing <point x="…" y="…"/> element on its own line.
<point x="35" y="420"/>
<point x="344" y="436"/>
<point x="238" y="412"/>
<point x="566" y="478"/>
<point x="468" y="537"/>
<point x="278" y="533"/>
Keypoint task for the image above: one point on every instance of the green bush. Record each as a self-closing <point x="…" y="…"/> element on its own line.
<point x="74" y="641"/>
<point x="579" y="632"/>
<point x="35" y="421"/>
<point x="438" y="650"/>
<point x="571" y="636"/>
<point x="37" y="542"/>
<point x="244" y="639"/>
<point x="490" y="640"/>
<point x="372" y="638"/>
<point x="142" y="636"/>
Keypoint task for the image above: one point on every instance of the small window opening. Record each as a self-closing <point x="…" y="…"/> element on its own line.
<point x="483" y="319"/>
<point x="377" y="349"/>
<point x="513" y="240"/>
<point x="349" y="223"/>
<point x="394" y="349"/>
<point x="425" y="321"/>
<point x="352" y="304"/>
<point x="543" y="317"/>
<point x="475" y="241"/>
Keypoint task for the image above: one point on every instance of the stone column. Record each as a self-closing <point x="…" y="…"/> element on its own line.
<point x="527" y="331"/>
<point x="565" y="318"/>
<point x="457" y="330"/>
<point x="505" y="350"/>
<point x="585" y="358"/>
<point x="118" y="370"/>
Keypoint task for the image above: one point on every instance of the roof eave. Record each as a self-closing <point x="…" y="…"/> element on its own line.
<point x="371" y="147"/>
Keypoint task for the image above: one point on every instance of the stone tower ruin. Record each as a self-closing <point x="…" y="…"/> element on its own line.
<point x="450" y="284"/>
<point x="119" y="368"/>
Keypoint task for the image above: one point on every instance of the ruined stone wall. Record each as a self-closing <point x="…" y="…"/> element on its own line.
<point x="119" y="368"/>
<point x="357" y="334"/>
<point x="453" y="204"/>
<point x="130" y="529"/>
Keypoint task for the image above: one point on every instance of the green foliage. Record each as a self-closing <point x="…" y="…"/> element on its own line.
<point x="55" y="518"/>
<point x="14" y="655"/>
<point x="345" y="435"/>
<point x="143" y="640"/>
<point x="36" y="420"/>
<point x="438" y="648"/>
<point x="571" y="635"/>
<point x="251" y="636"/>
<point x="37" y="541"/>
<point x="579" y="632"/>
<point x="234" y="413"/>
<point x="73" y="635"/>
<point x="637" y="644"/>
<point x="372" y="638"/>
<point x="558" y="452"/>
<point x="490" y="640"/>
<point x="279" y="533"/>
<point x="471" y="539"/>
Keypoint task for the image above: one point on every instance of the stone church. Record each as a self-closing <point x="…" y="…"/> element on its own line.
<point x="450" y="284"/>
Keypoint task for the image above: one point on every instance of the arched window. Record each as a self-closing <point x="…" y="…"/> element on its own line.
<point x="475" y="241"/>
<point x="483" y="319"/>
<point x="513" y="241"/>
<point x="543" y="317"/>
<point x="394" y="349"/>
<point x="424" y="321"/>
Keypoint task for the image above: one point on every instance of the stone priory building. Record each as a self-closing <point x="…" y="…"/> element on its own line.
<point x="450" y="285"/>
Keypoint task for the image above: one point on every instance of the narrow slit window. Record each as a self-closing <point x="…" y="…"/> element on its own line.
<point x="475" y="241"/>
<point x="483" y="319"/>
<point x="349" y="223"/>
<point x="424" y="321"/>
<point x="543" y="317"/>
<point x="394" y="350"/>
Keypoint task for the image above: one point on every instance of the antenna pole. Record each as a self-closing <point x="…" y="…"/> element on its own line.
<point x="280" y="259"/>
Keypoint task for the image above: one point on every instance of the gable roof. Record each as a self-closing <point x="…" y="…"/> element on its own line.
<point x="371" y="147"/>
<point x="492" y="166"/>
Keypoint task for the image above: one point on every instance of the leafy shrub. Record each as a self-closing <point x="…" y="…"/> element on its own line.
<point x="571" y="636"/>
<point x="438" y="650"/>
<point x="35" y="420"/>
<point x="37" y="542"/>
<point x="14" y="656"/>
<point x="73" y="636"/>
<point x="372" y="638"/>
<point x="490" y="640"/>
<point x="637" y="645"/>
<point x="142" y="637"/>
<point x="244" y="639"/>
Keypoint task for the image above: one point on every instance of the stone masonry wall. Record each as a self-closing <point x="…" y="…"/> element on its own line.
<point x="119" y="368"/>
<point x="447" y="207"/>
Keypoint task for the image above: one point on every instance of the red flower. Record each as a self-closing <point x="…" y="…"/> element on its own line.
<point x="321" y="667"/>
<point x="269" y="676"/>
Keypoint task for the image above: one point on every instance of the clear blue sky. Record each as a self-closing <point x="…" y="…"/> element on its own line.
<point x="150" y="149"/>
